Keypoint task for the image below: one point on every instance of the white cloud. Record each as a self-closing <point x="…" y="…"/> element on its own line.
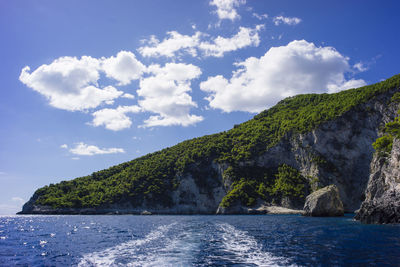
<point x="286" y="20"/>
<point x="336" y="87"/>
<point x="226" y="9"/>
<point x="129" y="96"/>
<point x="71" y="84"/>
<point x="123" y="68"/>
<point x="297" y="68"/>
<point x="177" y="44"/>
<point x="165" y="92"/>
<point x="260" y="16"/>
<point x="83" y="149"/>
<point x="114" y="119"/>
<point x="220" y="45"/>
<point x="171" y="45"/>
<point x="65" y="146"/>
<point x="360" y="67"/>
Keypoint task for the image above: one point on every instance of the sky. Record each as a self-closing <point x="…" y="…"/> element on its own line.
<point x="89" y="84"/>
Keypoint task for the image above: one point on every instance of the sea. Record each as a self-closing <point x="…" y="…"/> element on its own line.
<point x="196" y="240"/>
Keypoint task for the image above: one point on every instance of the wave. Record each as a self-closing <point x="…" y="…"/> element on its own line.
<point x="244" y="249"/>
<point x="178" y="250"/>
<point x="127" y="250"/>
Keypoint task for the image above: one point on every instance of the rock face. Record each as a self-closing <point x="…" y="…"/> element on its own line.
<point x="324" y="202"/>
<point x="382" y="203"/>
<point x="337" y="152"/>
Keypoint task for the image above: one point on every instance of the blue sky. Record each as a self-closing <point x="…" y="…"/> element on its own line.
<point x="90" y="84"/>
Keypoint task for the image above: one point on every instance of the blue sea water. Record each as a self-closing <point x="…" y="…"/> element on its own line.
<point x="254" y="240"/>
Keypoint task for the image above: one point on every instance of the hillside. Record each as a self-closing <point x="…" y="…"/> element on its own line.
<point x="235" y="167"/>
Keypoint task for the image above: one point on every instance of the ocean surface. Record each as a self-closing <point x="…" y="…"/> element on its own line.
<point x="253" y="240"/>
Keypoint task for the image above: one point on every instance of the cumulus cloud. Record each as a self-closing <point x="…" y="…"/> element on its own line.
<point x="83" y="149"/>
<point x="165" y="92"/>
<point x="65" y="146"/>
<point x="177" y="44"/>
<point x="286" y="20"/>
<point x="299" y="67"/>
<point x="226" y="9"/>
<point x="123" y="68"/>
<point x="71" y="84"/>
<point x="114" y="119"/>
<point x="220" y="45"/>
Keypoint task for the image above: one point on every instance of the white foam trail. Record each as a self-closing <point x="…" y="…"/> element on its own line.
<point x="108" y="256"/>
<point x="245" y="248"/>
<point x="180" y="250"/>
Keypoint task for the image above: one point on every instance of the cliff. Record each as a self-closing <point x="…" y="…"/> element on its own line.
<point x="382" y="202"/>
<point x="276" y="159"/>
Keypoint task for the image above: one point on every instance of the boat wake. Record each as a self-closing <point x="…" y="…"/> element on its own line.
<point x="241" y="248"/>
<point x="188" y="244"/>
<point x="118" y="255"/>
<point x="168" y="245"/>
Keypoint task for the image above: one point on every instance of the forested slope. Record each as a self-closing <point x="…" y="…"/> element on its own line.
<point x="153" y="177"/>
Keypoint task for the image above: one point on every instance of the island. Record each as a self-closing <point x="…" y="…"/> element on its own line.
<point x="348" y="139"/>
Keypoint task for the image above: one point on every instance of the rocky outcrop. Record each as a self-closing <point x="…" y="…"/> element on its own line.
<point x="382" y="202"/>
<point x="324" y="202"/>
<point x="338" y="152"/>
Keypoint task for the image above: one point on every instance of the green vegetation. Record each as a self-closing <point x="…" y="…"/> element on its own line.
<point x="151" y="178"/>
<point x="243" y="191"/>
<point x="286" y="182"/>
<point x="314" y="183"/>
<point x="248" y="184"/>
<point x="396" y="97"/>
<point x="290" y="183"/>
<point x="383" y="145"/>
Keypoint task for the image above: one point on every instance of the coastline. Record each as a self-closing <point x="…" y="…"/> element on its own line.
<point x="90" y="211"/>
